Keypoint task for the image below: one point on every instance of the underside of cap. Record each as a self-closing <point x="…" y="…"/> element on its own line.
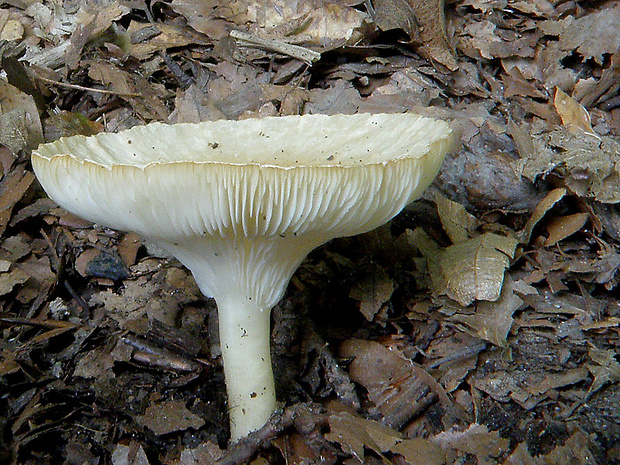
<point x="334" y="175"/>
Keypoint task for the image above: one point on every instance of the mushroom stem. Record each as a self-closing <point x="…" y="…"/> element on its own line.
<point x="246" y="277"/>
<point x="244" y="341"/>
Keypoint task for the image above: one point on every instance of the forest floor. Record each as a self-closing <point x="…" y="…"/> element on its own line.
<point x="481" y="326"/>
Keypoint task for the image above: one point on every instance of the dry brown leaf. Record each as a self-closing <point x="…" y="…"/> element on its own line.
<point x="373" y="292"/>
<point x="391" y="382"/>
<point x="354" y="433"/>
<point x="12" y="189"/>
<point x="316" y="23"/>
<point x="574" y="116"/>
<point x="457" y="222"/>
<point x="420" y="451"/>
<point x="474" y="269"/>
<point x="20" y="126"/>
<point x="605" y="368"/>
<point x="131" y="454"/>
<point x="144" y="97"/>
<point x="539" y="212"/>
<point x="561" y="227"/>
<point x="169" y="416"/>
<point x="97" y="363"/>
<point x="476" y="440"/>
<point x="147" y="39"/>
<point x="10" y="279"/>
<point x="492" y="321"/>
<point x="589" y="164"/>
<point x="424" y="22"/>
<point x="592" y="35"/>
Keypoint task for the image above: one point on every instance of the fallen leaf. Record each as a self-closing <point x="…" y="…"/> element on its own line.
<point x="20" y="126"/>
<point x="424" y="22"/>
<point x="574" y="116"/>
<point x="605" y="368"/>
<point x="476" y="440"/>
<point x="561" y="227"/>
<point x="539" y="212"/>
<point x="168" y="417"/>
<point x="474" y="269"/>
<point x="354" y="434"/>
<point x="392" y="384"/>
<point x="147" y="38"/>
<point x="132" y="454"/>
<point x="457" y="222"/>
<point x="592" y="35"/>
<point x="12" y="188"/>
<point x="373" y="292"/>
<point x="10" y="279"/>
<point x="492" y="321"/>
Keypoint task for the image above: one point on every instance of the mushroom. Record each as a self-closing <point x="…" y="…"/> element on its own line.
<point x="241" y="204"/>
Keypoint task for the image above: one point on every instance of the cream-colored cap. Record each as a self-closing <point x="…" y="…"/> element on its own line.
<point x="311" y="178"/>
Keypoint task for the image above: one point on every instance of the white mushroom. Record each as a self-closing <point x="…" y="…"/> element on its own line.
<point x="241" y="203"/>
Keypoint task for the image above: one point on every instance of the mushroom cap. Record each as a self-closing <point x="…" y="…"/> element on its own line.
<point x="318" y="175"/>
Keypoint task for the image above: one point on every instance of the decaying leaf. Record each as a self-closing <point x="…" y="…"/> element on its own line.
<point x="373" y="292"/>
<point x="589" y="164"/>
<point x="145" y="97"/>
<point x="424" y="22"/>
<point x="354" y="434"/>
<point x="169" y="416"/>
<point x="492" y="321"/>
<point x="605" y="369"/>
<point x="474" y="269"/>
<point x="392" y="383"/>
<point x="592" y="35"/>
<point x="146" y="39"/>
<point x="12" y="188"/>
<point x="20" y="126"/>
<point x="476" y="440"/>
<point x="10" y="279"/>
<point x="317" y="23"/>
<point x="131" y="454"/>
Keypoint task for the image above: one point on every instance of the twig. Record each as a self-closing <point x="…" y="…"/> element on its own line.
<point x="460" y="354"/>
<point x="300" y="53"/>
<point x="87" y="89"/>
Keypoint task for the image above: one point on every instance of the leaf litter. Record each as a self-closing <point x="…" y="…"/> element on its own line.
<point x="480" y="326"/>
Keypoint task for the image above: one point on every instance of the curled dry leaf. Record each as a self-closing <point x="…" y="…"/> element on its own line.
<point x="561" y="227"/>
<point x="539" y="212"/>
<point x="574" y="116"/>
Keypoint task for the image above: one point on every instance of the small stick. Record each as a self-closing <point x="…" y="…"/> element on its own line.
<point x="87" y="89"/>
<point x="300" y="53"/>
